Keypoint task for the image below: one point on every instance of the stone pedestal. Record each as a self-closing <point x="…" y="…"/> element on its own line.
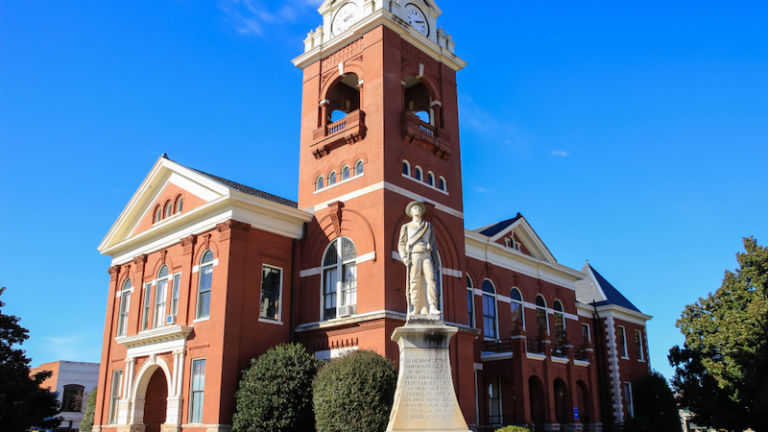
<point x="425" y="399"/>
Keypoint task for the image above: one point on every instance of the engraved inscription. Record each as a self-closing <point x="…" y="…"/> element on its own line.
<point x="428" y="389"/>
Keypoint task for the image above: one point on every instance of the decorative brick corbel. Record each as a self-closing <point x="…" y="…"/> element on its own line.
<point x="336" y="209"/>
<point x="140" y="261"/>
<point x="225" y="229"/>
<point x="113" y="272"/>
<point x="163" y="254"/>
<point x="188" y="244"/>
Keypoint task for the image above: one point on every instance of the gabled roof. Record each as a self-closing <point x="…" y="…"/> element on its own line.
<point x="498" y="227"/>
<point x="611" y="295"/>
<point x="220" y="200"/>
<point x="249" y="190"/>
<point x="520" y="226"/>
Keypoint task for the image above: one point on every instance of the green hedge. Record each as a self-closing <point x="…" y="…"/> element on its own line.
<point x="275" y="392"/>
<point x="354" y="393"/>
<point x="513" y="429"/>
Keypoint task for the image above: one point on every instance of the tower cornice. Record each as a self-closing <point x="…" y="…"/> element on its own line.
<point x="317" y="49"/>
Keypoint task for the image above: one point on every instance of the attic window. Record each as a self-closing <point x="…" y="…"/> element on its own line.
<point x="179" y="203"/>
<point x="158" y="214"/>
<point x="512" y="244"/>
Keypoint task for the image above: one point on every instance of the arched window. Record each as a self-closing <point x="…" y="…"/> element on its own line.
<point x="204" y="285"/>
<point x="430" y="179"/>
<point x="494" y="402"/>
<point x="179" y="203"/>
<point x="559" y="327"/>
<point x="470" y="303"/>
<point x="158" y="214"/>
<point x="345" y="173"/>
<point x="541" y="316"/>
<point x="442" y="185"/>
<point x="406" y="168"/>
<point x="332" y="178"/>
<point x="418" y="173"/>
<point x="72" y="399"/>
<point x="125" y="304"/>
<point x="339" y="279"/>
<point x="168" y="208"/>
<point x="489" y="310"/>
<point x="359" y="168"/>
<point x="163" y="276"/>
<point x="516" y="307"/>
<point x="319" y="183"/>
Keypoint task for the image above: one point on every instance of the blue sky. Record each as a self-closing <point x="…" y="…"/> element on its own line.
<point x="633" y="135"/>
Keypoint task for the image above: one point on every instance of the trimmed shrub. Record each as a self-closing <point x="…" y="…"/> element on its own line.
<point x="86" y="424"/>
<point x="275" y="392"/>
<point x="354" y="393"/>
<point x="513" y="429"/>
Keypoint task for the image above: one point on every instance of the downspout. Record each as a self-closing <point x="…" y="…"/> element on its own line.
<point x="605" y="402"/>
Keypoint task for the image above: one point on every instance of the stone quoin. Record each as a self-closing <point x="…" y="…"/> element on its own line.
<point x="208" y="273"/>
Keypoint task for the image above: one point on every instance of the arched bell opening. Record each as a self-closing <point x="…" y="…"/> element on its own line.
<point x="419" y="101"/>
<point x="342" y="99"/>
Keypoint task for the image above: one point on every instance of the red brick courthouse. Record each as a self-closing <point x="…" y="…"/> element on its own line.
<point x="208" y="273"/>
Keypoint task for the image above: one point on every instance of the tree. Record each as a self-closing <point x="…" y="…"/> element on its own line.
<point x="722" y="369"/>
<point x="23" y="404"/>
<point x="354" y="393"/>
<point x="275" y="393"/>
<point x="655" y="406"/>
<point x="86" y="424"/>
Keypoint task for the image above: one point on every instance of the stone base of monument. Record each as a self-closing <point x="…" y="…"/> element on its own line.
<point x="425" y="399"/>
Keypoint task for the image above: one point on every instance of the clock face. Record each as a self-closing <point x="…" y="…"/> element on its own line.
<point x="417" y="19"/>
<point x="345" y="17"/>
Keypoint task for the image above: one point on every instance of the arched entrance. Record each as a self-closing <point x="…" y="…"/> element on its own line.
<point x="561" y="402"/>
<point x="538" y="401"/>
<point x="584" y="403"/>
<point x="156" y="400"/>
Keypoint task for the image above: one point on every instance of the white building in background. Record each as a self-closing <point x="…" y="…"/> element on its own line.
<point x="72" y="382"/>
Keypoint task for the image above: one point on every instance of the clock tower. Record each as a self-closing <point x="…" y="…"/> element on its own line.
<point x="379" y="129"/>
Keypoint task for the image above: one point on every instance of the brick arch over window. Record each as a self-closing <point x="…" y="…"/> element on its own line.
<point x="353" y="67"/>
<point x="338" y="222"/>
<point x="412" y="69"/>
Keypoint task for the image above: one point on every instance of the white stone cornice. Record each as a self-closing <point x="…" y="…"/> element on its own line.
<point x="155" y="336"/>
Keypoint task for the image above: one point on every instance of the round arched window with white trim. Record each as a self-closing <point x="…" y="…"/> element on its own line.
<point x="339" y="279"/>
<point x="517" y="310"/>
<point x="490" y="323"/>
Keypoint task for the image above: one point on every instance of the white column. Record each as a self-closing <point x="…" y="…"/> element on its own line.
<point x="126" y="402"/>
<point x="174" y="403"/>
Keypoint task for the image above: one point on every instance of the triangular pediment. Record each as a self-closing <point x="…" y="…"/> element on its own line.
<point x="520" y="231"/>
<point x="165" y="183"/>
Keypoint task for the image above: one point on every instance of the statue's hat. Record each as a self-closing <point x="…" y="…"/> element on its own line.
<point x="412" y="204"/>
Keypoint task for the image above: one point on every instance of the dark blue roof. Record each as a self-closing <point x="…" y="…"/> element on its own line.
<point x="499" y="227"/>
<point x="613" y="295"/>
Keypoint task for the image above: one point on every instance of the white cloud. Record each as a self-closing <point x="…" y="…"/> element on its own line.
<point x="559" y="153"/>
<point x="251" y="16"/>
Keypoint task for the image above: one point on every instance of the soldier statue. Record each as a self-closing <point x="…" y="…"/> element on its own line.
<point x="418" y="250"/>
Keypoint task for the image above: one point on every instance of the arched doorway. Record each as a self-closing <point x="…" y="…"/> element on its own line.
<point x="584" y="403"/>
<point x="538" y="401"/>
<point x="561" y="402"/>
<point x="155" y="404"/>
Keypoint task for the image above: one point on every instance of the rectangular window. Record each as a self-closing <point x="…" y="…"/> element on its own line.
<point x="204" y="292"/>
<point x="628" y="402"/>
<point x="115" y="395"/>
<point x="147" y="306"/>
<point x="470" y="307"/>
<point x="489" y="317"/>
<point x="494" y="403"/>
<point x="349" y="285"/>
<point x="639" y="345"/>
<point x="125" y="306"/>
<point x="161" y="294"/>
<point x="175" y="294"/>
<point x="623" y="342"/>
<point x="196" y="391"/>
<point x="271" y="289"/>
<point x="585" y="335"/>
<point x="330" y="278"/>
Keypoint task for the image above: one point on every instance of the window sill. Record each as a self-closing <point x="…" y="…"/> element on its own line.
<point x="270" y="321"/>
<point x="338" y="183"/>
<point x="198" y="320"/>
<point x="624" y="358"/>
<point x="425" y="184"/>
